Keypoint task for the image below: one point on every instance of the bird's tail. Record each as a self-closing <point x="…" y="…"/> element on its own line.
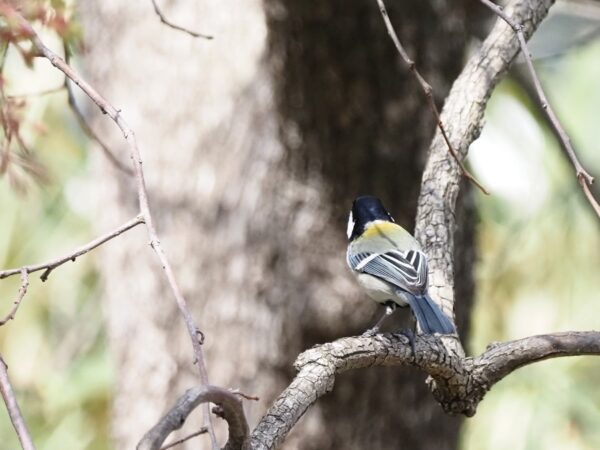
<point x="429" y="316"/>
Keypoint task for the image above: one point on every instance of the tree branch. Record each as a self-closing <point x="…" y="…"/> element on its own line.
<point x="202" y="430"/>
<point x="87" y="129"/>
<point x="502" y="359"/>
<point x="232" y="412"/>
<point x="459" y="384"/>
<point x="17" y="302"/>
<point x="7" y="10"/>
<point x="168" y="23"/>
<point x="584" y="178"/>
<point x="452" y="379"/>
<point x="49" y="266"/>
<point x="428" y="91"/>
<point x="14" y="411"/>
<point x="463" y="115"/>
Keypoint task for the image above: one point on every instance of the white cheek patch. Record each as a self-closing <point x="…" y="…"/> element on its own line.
<point x="350" y="225"/>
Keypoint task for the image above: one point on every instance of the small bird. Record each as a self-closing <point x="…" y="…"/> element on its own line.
<point x="390" y="266"/>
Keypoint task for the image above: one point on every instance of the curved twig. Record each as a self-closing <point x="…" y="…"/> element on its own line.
<point x="22" y="291"/>
<point x="232" y="412"/>
<point x="168" y="23"/>
<point x="85" y="126"/>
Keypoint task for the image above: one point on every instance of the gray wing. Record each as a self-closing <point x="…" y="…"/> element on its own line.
<point x="406" y="270"/>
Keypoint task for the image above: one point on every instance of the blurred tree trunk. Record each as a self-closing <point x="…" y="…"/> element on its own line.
<point x="254" y="145"/>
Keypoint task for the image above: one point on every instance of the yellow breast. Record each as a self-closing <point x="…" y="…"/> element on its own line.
<point x="381" y="228"/>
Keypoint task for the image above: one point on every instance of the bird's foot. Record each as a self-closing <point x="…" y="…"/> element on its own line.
<point x="371" y="332"/>
<point x="410" y="335"/>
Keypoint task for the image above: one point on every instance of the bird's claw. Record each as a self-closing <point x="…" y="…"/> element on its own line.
<point x="371" y="332"/>
<point x="410" y="335"/>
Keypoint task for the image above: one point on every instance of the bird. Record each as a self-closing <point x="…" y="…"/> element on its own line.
<point x="391" y="267"/>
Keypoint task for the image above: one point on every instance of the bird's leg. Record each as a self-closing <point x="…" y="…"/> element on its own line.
<point x="410" y="335"/>
<point x="389" y="310"/>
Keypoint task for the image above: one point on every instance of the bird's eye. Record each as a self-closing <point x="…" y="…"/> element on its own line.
<point x="350" y="225"/>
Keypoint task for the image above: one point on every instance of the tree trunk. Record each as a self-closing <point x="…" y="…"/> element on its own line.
<point x="254" y="146"/>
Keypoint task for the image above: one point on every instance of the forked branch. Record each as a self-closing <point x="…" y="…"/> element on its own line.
<point x="459" y="384"/>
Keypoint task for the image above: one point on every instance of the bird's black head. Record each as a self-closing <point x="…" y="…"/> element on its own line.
<point x="365" y="209"/>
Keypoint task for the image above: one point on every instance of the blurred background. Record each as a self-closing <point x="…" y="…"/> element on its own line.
<point x="254" y="145"/>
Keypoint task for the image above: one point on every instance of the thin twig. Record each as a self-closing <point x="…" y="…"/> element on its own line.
<point x="17" y="303"/>
<point x="584" y="178"/>
<point x="14" y="411"/>
<point x="428" y="91"/>
<point x="186" y="438"/>
<point x="42" y="50"/>
<point x="168" y="23"/>
<point x="246" y="396"/>
<point x="49" y="266"/>
<point x="87" y="129"/>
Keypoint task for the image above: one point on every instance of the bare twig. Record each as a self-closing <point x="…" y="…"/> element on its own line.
<point x="42" y="50"/>
<point x="168" y="23"/>
<point x="584" y="178"/>
<point x="14" y="411"/>
<point x="87" y="129"/>
<point x="49" y="266"/>
<point x="202" y="430"/>
<point x="231" y="408"/>
<point x="17" y="303"/>
<point x="246" y="396"/>
<point x="428" y="91"/>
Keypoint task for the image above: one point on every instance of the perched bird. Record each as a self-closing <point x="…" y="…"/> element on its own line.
<point x="390" y="266"/>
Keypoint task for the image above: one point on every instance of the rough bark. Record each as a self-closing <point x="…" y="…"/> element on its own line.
<point x="255" y="144"/>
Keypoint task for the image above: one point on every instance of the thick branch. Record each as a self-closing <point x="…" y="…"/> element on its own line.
<point x="459" y="384"/>
<point x="49" y="266"/>
<point x="502" y="359"/>
<point x="318" y="367"/>
<point x="14" y="411"/>
<point x="232" y="412"/>
<point x="463" y="115"/>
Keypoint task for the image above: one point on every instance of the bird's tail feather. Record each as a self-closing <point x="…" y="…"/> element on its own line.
<point x="429" y="316"/>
